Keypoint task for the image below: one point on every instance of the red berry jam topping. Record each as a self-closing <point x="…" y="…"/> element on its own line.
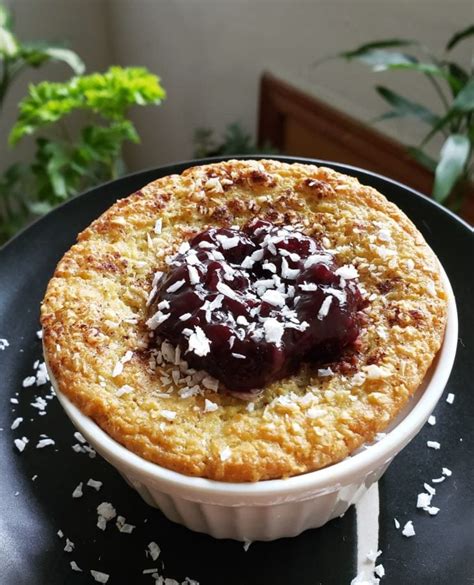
<point x="248" y="306"/>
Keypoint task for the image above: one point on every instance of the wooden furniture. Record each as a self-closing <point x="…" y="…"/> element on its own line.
<point x="299" y="124"/>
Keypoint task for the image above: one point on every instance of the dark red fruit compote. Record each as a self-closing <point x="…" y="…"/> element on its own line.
<point x="249" y="305"/>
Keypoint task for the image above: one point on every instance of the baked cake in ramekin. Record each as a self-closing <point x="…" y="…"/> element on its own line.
<point x="245" y="320"/>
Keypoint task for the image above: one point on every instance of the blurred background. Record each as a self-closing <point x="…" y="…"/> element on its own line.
<point x="250" y="74"/>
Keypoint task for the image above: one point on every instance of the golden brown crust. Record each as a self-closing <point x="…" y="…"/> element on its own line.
<point x="299" y="424"/>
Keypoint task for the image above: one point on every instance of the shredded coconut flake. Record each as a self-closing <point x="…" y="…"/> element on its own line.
<point x="125" y="389"/>
<point x="168" y="414"/>
<point x="274" y="330"/>
<point x="93" y="483"/>
<point x="375" y="372"/>
<point x="69" y="545"/>
<point x="324" y="309"/>
<point x="106" y="512"/>
<point x="347" y="272"/>
<point x="432" y="420"/>
<point x="20" y="444"/>
<point x="408" y="529"/>
<point x="158" y="226"/>
<point x="153" y="550"/>
<point x="4" y="344"/>
<point x="379" y="571"/>
<point x="423" y="500"/>
<point x="28" y="381"/>
<point x="16" y="423"/>
<point x="210" y="383"/>
<point x="198" y="342"/>
<point x="45" y="443"/>
<point x="397" y="523"/>
<point x="228" y="243"/>
<point x="118" y="369"/>
<point x="99" y="576"/>
<point x="225" y="453"/>
<point x="450" y="398"/>
<point x="433" y="444"/>
<point x="274" y="298"/>
<point x="210" y="406"/>
<point x="77" y="493"/>
<point x="175" y="286"/>
<point x="75" y="567"/>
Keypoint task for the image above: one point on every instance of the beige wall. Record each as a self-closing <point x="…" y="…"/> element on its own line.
<point x="210" y="54"/>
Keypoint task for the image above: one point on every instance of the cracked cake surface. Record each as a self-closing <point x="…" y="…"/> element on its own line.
<point x="97" y="341"/>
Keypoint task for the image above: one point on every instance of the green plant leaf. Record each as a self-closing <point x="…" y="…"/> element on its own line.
<point x="457" y="71"/>
<point x="440" y="126"/>
<point x="464" y="101"/>
<point x="419" y="155"/>
<point x="5" y="18"/>
<point x="8" y="43"/>
<point x="383" y="44"/>
<point x="381" y="60"/>
<point x="36" y="54"/>
<point x="459" y="36"/>
<point x="406" y="107"/>
<point x="451" y="166"/>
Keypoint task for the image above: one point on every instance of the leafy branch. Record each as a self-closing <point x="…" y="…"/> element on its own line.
<point x="63" y="165"/>
<point x="15" y="56"/>
<point x="454" y="87"/>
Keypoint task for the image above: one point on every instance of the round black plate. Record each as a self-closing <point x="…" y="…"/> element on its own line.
<point x="31" y="512"/>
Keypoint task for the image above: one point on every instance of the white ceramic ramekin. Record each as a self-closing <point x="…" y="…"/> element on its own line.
<point x="279" y="508"/>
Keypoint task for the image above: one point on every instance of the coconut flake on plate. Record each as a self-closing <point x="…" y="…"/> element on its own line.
<point x="16" y="423"/>
<point x="408" y="529"/>
<point x="123" y="526"/>
<point x="78" y="493"/>
<point x="433" y="444"/>
<point x="93" y="483"/>
<point x="99" y="576"/>
<point x="28" y="381"/>
<point x="153" y="550"/>
<point x="20" y="444"/>
<point x="75" y="567"/>
<point x="46" y="442"/>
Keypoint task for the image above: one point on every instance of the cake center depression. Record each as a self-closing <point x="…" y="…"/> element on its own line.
<point x="249" y="305"/>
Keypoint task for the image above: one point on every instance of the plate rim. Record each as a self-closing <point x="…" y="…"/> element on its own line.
<point x="187" y="163"/>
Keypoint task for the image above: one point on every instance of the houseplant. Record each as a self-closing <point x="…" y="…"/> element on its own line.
<point x="454" y="86"/>
<point x="65" y="162"/>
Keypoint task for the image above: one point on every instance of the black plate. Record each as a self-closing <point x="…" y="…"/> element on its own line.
<point x="31" y="512"/>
